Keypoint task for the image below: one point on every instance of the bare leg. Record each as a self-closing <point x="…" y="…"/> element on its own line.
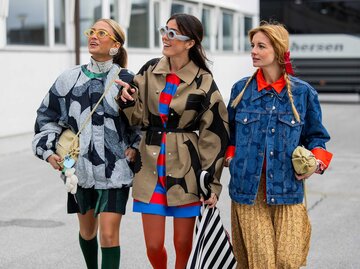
<point x="88" y="225"/>
<point x="110" y="229"/>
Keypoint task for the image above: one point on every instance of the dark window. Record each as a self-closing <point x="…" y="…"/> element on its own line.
<point x="307" y="17"/>
<point x="138" y="32"/>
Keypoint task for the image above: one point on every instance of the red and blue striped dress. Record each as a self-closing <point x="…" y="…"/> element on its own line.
<point x="158" y="203"/>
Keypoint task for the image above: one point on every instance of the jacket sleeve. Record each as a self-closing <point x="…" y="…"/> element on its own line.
<point x="132" y="133"/>
<point x="230" y="151"/>
<point x="134" y="110"/>
<point x="213" y="137"/>
<point x="314" y="135"/>
<point x="47" y="128"/>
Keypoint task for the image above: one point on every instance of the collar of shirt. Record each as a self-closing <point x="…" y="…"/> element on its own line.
<point x="262" y="84"/>
<point x="187" y="73"/>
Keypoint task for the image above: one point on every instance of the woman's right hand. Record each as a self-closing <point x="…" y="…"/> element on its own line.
<point x="126" y="92"/>
<point x="54" y="159"/>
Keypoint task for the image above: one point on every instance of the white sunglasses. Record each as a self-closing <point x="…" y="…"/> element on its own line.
<point x="171" y="34"/>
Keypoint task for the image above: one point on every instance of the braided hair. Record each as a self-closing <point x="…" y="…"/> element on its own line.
<point x="279" y="38"/>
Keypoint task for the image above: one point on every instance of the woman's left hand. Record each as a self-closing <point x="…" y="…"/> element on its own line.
<point x="211" y="201"/>
<point x="301" y="177"/>
<point x="318" y="171"/>
<point x="130" y="154"/>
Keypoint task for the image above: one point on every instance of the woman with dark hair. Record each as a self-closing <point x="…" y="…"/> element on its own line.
<point x="106" y="143"/>
<point x="185" y="121"/>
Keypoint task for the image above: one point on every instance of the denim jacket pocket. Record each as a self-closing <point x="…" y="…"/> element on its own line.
<point x="290" y="130"/>
<point x="246" y="124"/>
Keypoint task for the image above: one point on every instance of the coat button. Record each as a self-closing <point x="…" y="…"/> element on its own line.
<point x="154" y="153"/>
<point x="170" y="175"/>
<point x="273" y="130"/>
<point x="159" y="132"/>
<point x="292" y="122"/>
<point x="169" y="153"/>
<point x="154" y="172"/>
<point x="245" y="120"/>
<point x="273" y="108"/>
<point x="271" y="153"/>
<point x="157" y="92"/>
<point x="272" y="200"/>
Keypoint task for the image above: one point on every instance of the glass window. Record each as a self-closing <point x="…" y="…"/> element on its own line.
<point x="227" y="31"/>
<point x="177" y="8"/>
<point x="182" y="8"/>
<point x="206" y="24"/>
<point x="27" y="22"/>
<point x="138" y="32"/>
<point x="157" y="23"/>
<point x="90" y="11"/>
<point x="114" y="10"/>
<point x="59" y="17"/>
<point x="247" y="27"/>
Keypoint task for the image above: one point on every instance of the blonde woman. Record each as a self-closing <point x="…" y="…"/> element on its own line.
<point x="106" y="143"/>
<point x="270" y="114"/>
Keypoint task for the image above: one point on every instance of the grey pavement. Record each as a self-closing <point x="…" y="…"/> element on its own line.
<point x="36" y="232"/>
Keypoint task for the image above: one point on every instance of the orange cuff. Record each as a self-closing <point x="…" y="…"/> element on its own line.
<point x="322" y="155"/>
<point x="230" y="152"/>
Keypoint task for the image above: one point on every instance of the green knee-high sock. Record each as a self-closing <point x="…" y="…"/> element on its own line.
<point x="90" y="251"/>
<point x="110" y="258"/>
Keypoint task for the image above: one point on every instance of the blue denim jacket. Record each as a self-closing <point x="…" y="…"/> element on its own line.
<point x="263" y="126"/>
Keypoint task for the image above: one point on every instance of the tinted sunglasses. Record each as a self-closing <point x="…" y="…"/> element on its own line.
<point x="171" y="34"/>
<point x="99" y="34"/>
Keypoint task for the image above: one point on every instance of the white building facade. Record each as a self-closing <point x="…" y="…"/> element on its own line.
<point x="37" y="43"/>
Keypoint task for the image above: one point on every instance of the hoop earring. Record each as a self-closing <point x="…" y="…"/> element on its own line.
<point x="113" y="51"/>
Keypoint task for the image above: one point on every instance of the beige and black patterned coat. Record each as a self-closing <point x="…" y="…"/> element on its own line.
<point x="197" y="132"/>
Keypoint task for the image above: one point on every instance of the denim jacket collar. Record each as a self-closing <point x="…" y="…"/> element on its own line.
<point x="255" y="94"/>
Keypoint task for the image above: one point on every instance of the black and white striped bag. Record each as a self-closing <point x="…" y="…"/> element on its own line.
<point x="212" y="247"/>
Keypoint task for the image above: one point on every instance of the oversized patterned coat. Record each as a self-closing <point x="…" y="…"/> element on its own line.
<point x="197" y="132"/>
<point x="102" y="163"/>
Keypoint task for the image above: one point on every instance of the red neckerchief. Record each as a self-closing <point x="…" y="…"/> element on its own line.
<point x="262" y="84"/>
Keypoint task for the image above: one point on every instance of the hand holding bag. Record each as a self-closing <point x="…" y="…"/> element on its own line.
<point x="304" y="161"/>
<point x="212" y="247"/>
<point x="68" y="145"/>
<point x="67" y="148"/>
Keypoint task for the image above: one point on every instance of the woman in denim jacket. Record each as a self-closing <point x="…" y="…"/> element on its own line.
<point x="270" y="114"/>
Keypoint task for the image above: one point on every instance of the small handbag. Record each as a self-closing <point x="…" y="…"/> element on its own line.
<point x="68" y="145"/>
<point x="68" y="148"/>
<point x="304" y="161"/>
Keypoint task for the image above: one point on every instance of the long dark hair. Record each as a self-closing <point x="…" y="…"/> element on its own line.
<point x="190" y="26"/>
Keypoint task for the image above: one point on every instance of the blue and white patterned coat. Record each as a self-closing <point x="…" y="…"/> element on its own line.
<point x="105" y="138"/>
<point x="263" y="126"/>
